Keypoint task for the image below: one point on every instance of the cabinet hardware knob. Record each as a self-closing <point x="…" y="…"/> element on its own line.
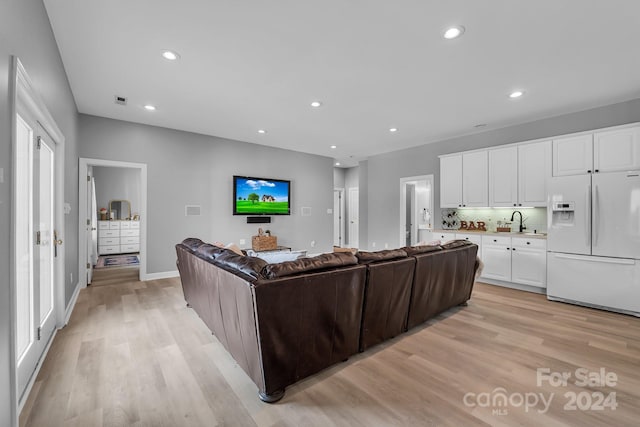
<point x="494" y="240"/>
<point x="513" y="249"/>
<point x="589" y="171"/>
<point x="597" y="170"/>
<point x="508" y="248"/>
<point x="528" y="243"/>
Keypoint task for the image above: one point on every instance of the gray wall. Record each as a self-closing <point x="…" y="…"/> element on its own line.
<point x="26" y="33"/>
<point x="385" y="170"/>
<point x="191" y="169"/>
<point x="117" y="184"/>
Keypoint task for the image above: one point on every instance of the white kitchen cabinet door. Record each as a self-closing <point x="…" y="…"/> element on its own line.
<point x="616" y="150"/>
<point x="573" y="155"/>
<point x="444" y="236"/>
<point x="496" y="255"/>
<point x="529" y="262"/>
<point x="503" y="177"/>
<point x="473" y="238"/>
<point x="534" y="171"/>
<point x="451" y="181"/>
<point x="475" y="179"/>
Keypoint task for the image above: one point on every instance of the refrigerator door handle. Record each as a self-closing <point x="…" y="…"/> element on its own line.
<point x="596" y="214"/>
<point x="621" y="261"/>
<point x="587" y="222"/>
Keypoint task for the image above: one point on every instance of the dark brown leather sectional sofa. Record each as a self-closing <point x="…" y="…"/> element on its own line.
<point x="284" y="322"/>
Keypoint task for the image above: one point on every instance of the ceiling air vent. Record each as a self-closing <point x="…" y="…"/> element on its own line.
<point x="192" y="210"/>
<point x="121" y="100"/>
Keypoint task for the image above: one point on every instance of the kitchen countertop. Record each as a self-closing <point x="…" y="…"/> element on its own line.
<point x="493" y="233"/>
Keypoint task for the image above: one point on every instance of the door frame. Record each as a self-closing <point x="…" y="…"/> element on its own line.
<point x="403" y="204"/>
<point x="24" y="91"/>
<point x="83" y="170"/>
<point x="351" y="202"/>
<point x="341" y="223"/>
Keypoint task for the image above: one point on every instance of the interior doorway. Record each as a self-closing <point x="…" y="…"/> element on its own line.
<point x="416" y="209"/>
<point x="88" y="189"/>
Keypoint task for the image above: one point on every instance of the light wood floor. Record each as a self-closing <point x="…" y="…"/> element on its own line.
<point x="134" y="355"/>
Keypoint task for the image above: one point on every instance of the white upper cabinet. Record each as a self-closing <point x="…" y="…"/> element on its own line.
<point x="503" y="177"/>
<point x="607" y="151"/>
<point x="573" y="155"/>
<point x="616" y="150"/>
<point x="451" y="181"/>
<point x="475" y="179"/>
<point x="534" y="170"/>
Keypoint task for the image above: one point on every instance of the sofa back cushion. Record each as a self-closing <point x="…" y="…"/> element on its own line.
<point x="385" y="255"/>
<point x="415" y="250"/>
<point x="303" y="265"/>
<point x="209" y="252"/>
<point x="456" y="244"/>
<point x="250" y="266"/>
<point x="192" y="243"/>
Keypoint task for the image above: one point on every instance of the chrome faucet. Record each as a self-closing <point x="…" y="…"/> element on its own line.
<point x="513" y="215"/>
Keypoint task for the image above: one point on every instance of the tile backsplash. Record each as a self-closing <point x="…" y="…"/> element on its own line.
<point x="534" y="219"/>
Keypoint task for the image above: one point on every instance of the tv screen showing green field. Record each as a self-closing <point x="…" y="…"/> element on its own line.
<point x="259" y="196"/>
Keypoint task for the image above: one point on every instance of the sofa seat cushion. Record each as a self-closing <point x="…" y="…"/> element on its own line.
<point x="385" y="255"/>
<point x="415" y="250"/>
<point x="304" y="265"/>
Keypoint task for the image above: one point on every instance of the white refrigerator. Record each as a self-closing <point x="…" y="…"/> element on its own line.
<point x="593" y="240"/>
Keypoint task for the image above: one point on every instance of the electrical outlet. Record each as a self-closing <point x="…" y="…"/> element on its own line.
<point x="386" y="246"/>
<point x="313" y="243"/>
<point x="243" y="241"/>
<point x="71" y="277"/>
<point x="329" y="211"/>
<point x="373" y="245"/>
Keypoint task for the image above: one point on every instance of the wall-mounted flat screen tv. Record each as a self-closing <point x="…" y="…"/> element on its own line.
<point x="261" y="196"/>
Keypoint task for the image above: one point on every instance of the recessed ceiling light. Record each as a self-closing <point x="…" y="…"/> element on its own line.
<point x="262" y="131"/>
<point x="316" y="104"/>
<point x="170" y="55"/>
<point x="333" y="147"/>
<point x="337" y="163"/>
<point x="393" y="130"/>
<point x="516" y="94"/>
<point x="453" y="32"/>
<point x="149" y="107"/>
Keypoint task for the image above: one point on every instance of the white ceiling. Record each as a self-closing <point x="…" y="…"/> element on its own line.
<point x="374" y="64"/>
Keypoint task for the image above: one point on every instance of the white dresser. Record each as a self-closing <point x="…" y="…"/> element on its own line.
<point x="118" y="237"/>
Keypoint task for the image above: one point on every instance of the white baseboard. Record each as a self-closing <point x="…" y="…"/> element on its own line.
<point x="161" y="275"/>
<point x="527" y="288"/>
<point x="72" y="304"/>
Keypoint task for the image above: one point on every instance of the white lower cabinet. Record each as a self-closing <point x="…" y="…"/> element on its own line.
<point x="473" y="238"/>
<point x="496" y="255"/>
<point x="444" y="236"/>
<point x="518" y="260"/>
<point x="529" y="262"/>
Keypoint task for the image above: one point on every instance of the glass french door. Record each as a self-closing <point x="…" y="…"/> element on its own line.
<point x="35" y="244"/>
